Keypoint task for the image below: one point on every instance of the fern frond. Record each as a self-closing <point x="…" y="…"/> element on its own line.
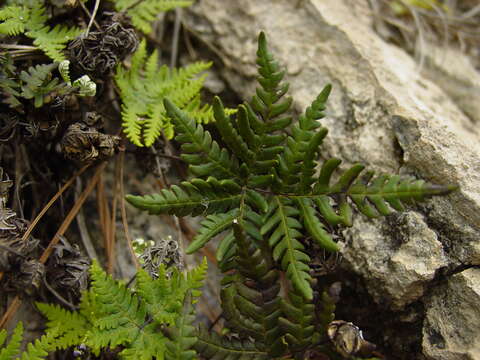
<point x="230" y="135"/>
<point x="254" y="291"/>
<point x="122" y="313"/>
<point x="14" y="19"/>
<point x="314" y="226"/>
<point x="38" y="83"/>
<point x="204" y="156"/>
<point x="143" y="88"/>
<point x="13" y="347"/>
<point x="39" y="349"/>
<point x="212" y="346"/>
<point x="31" y="20"/>
<point x="298" y="322"/>
<point x="283" y="230"/>
<point x="378" y="196"/>
<point x="210" y="227"/>
<point x="71" y="326"/>
<point x="194" y="197"/>
<point x="52" y="41"/>
<point x="182" y="337"/>
<point x="144" y="13"/>
<point x="165" y="295"/>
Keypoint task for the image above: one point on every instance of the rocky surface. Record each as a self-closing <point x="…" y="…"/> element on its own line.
<point x="451" y="304"/>
<point x="385" y="114"/>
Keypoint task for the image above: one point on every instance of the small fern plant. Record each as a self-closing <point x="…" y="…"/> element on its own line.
<point x="31" y="19"/>
<point x="153" y="320"/>
<point x="36" y="350"/>
<point x="143" y="87"/>
<point x="265" y="191"/>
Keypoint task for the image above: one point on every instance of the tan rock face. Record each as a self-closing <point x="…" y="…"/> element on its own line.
<point x="452" y="310"/>
<point x="383" y="113"/>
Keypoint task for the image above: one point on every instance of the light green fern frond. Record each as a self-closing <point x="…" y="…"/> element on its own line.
<point x="143" y="88"/>
<point x="13" y="347"/>
<point x="52" y="41"/>
<point x="31" y="20"/>
<point x="14" y="19"/>
<point x="71" y="326"/>
<point x="145" y="12"/>
<point x="37" y="350"/>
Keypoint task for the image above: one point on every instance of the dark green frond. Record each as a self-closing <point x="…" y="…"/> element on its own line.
<point x="193" y="197"/>
<point x="38" y="83"/>
<point x="269" y="101"/>
<point x="314" y="226"/>
<point x="204" y="155"/>
<point x="298" y="322"/>
<point x="210" y="227"/>
<point x="256" y="285"/>
<point x="385" y="193"/>
<point x="212" y="346"/>
<point x="283" y="231"/>
<point x="230" y="135"/>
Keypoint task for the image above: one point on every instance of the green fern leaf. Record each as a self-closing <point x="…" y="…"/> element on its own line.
<point x="38" y="83"/>
<point x="14" y="19"/>
<point x="52" y="41"/>
<point x="298" y="322"/>
<point x="144" y="13"/>
<point x="211" y="226"/>
<point x="182" y="337"/>
<point x="122" y="313"/>
<point x="204" y="156"/>
<point x="143" y="88"/>
<point x="165" y="295"/>
<point x="72" y="325"/>
<point x="212" y="346"/>
<point x="283" y="229"/>
<point x="31" y="20"/>
<point x="13" y="347"/>
<point x="192" y="198"/>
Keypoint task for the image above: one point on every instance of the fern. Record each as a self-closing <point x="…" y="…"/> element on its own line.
<point x="276" y="177"/>
<point x="31" y="20"/>
<point x="111" y="315"/>
<point x="145" y="12"/>
<point x="144" y="86"/>
<point x="36" y="350"/>
<point x="261" y="190"/>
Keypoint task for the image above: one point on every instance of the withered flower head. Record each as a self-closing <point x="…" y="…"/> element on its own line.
<point x="67" y="269"/>
<point x="165" y="251"/>
<point x="100" y="51"/>
<point x="85" y="144"/>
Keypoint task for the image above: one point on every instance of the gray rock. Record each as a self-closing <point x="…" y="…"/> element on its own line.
<point x="451" y="328"/>
<point x="383" y="113"/>
<point x="398" y="263"/>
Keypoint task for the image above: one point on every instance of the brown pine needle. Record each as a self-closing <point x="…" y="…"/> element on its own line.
<point x="15" y="304"/>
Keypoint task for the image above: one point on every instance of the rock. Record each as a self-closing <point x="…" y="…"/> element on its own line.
<point x="399" y="264"/>
<point x="381" y="112"/>
<point x="451" y="328"/>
